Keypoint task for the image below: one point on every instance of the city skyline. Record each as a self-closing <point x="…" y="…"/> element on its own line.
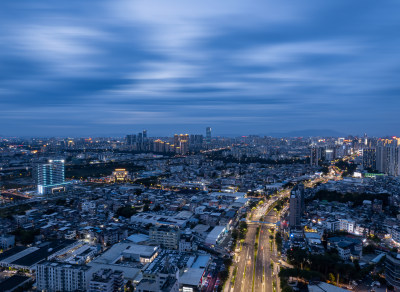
<point x="103" y="68"/>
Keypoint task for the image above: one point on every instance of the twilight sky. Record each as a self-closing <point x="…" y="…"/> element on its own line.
<point x="70" y="68"/>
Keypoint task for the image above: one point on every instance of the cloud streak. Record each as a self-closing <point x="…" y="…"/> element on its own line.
<point x="83" y="68"/>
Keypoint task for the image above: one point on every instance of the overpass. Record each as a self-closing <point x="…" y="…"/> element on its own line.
<point x="278" y="223"/>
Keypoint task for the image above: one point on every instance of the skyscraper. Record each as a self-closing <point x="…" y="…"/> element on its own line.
<point x="50" y="176"/>
<point x="181" y="143"/>
<point x="369" y="158"/>
<point x="296" y="206"/>
<point x="130" y="140"/>
<point x="314" y="156"/>
<point x="184" y="143"/>
<point x="208" y="135"/>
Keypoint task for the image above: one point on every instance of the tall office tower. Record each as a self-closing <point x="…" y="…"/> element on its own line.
<point x="296" y="206"/>
<point x="208" y="135"/>
<point x="369" y="158"/>
<point x="50" y="176"/>
<point x="144" y="134"/>
<point x="314" y="156"/>
<point x="340" y="141"/>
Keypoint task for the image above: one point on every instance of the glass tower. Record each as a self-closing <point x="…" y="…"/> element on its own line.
<point x="50" y="176"/>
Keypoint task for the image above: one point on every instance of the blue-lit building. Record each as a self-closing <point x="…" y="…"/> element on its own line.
<point x="50" y="177"/>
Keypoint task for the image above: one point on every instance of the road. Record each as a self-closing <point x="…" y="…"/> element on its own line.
<point x="249" y="264"/>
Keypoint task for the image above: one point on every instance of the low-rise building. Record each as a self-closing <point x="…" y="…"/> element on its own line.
<point x="107" y="280"/>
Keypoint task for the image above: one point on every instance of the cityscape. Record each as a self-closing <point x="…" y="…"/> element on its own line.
<point x="199" y="146"/>
<point x="198" y="212"/>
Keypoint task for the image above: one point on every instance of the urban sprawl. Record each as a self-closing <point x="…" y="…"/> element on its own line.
<point x="197" y="212"/>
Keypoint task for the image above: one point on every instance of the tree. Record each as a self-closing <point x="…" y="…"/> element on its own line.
<point x="126" y="211"/>
<point x="369" y="249"/>
<point x="287" y="289"/>
<point x="297" y="257"/>
<point x="331" y="278"/>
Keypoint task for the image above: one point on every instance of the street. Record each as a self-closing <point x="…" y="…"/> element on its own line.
<point x="250" y="264"/>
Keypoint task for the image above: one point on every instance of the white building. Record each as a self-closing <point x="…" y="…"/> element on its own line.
<point x="347" y="225"/>
<point x="55" y="276"/>
<point x="215" y="235"/>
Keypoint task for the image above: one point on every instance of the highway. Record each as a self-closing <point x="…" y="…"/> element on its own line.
<point x="249" y="264"/>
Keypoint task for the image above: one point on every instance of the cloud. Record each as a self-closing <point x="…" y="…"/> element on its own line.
<point x="247" y="66"/>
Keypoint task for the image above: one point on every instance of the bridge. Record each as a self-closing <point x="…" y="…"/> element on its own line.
<point x="278" y="223"/>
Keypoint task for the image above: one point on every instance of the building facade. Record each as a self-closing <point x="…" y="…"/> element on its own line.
<point x="296" y="206"/>
<point x="50" y="177"/>
<point x="167" y="237"/>
<point x="56" y="276"/>
<point x="392" y="270"/>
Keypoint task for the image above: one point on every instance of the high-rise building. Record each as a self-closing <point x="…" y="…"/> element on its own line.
<point x="387" y="157"/>
<point x="184" y="143"/>
<point x="198" y="139"/>
<point x="181" y="144"/>
<point x="208" y="135"/>
<point x="130" y="140"/>
<point x="365" y="139"/>
<point x="50" y="177"/>
<point x="159" y="146"/>
<point x="296" y="206"/>
<point x="369" y="158"/>
<point x="315" y="155"/>
<point x="144" y="133"/>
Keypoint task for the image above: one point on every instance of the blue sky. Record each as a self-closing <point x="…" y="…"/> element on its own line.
<point x="71" y="68"/>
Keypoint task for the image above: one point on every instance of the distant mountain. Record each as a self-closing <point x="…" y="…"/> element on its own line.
<point x="299" y="133"/>
<point x="310" y="133"/>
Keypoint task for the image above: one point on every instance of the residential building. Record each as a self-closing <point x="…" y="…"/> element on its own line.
<point x="107" y="280"/>
<point x="165" y="236"/>
<point x="392" y="270"/>
<point x="296" y="206"/>
<point x="55" y="276"/>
